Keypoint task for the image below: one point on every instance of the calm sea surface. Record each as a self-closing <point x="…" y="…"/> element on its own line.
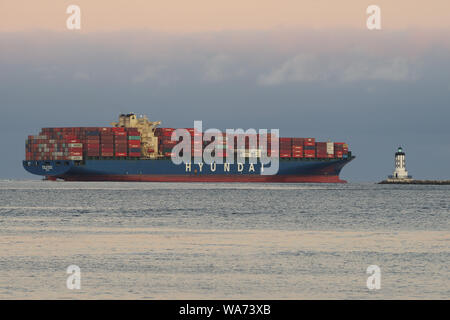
<point x="212" y="241"/>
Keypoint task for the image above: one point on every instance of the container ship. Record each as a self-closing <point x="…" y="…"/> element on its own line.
<point x="136" y="149"/>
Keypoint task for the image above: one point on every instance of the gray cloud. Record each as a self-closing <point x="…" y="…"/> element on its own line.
<point x="79" y="75"/>
<point x="310" y="68"/>
<point x="154" y="74"/>
<point x="301" y="68"/>
<point x="394" y="69"/>
<point x="218" y="67"/>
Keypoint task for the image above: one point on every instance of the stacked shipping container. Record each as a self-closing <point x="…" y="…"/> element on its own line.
<point x="134" y="143"/>
<point x="119" y="142"/>
<point x="107" y="143"/>
<point x="288" y="147"/>
<point x="340" y="150"/>
<point x="92" y="146"/>
<point x="285" y="147"/>
<point x="309" y="148"/>
<point x="297" y="147"/>
<point x="164" y="140"/>
<point x="77" y="143"/>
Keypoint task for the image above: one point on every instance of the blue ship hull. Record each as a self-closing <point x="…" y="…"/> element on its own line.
<point x="164" y="170"/>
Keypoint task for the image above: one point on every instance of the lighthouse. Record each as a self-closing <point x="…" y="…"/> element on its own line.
<point x="400" y="172"/>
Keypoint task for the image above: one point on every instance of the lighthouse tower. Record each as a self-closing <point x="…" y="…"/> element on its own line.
<point x="400" y="168"/>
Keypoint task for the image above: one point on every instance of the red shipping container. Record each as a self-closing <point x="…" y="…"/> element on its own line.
<point x="285" y="155"/>
<point x="167" y="133"/>
<point x="169" y="143"/>
<point x="72" y="141"/>
<point x="298" y="141"/>
<point x="309" y="142"/>
<point x="121" y="154"/>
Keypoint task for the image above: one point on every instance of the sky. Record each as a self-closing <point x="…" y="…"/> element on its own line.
<point x="308" y="68"/>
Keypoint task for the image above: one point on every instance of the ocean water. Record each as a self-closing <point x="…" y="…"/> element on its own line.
<point x="223" y="241"/>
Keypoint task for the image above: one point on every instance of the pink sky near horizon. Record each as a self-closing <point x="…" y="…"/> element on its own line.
<point x="211" y="15"/>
